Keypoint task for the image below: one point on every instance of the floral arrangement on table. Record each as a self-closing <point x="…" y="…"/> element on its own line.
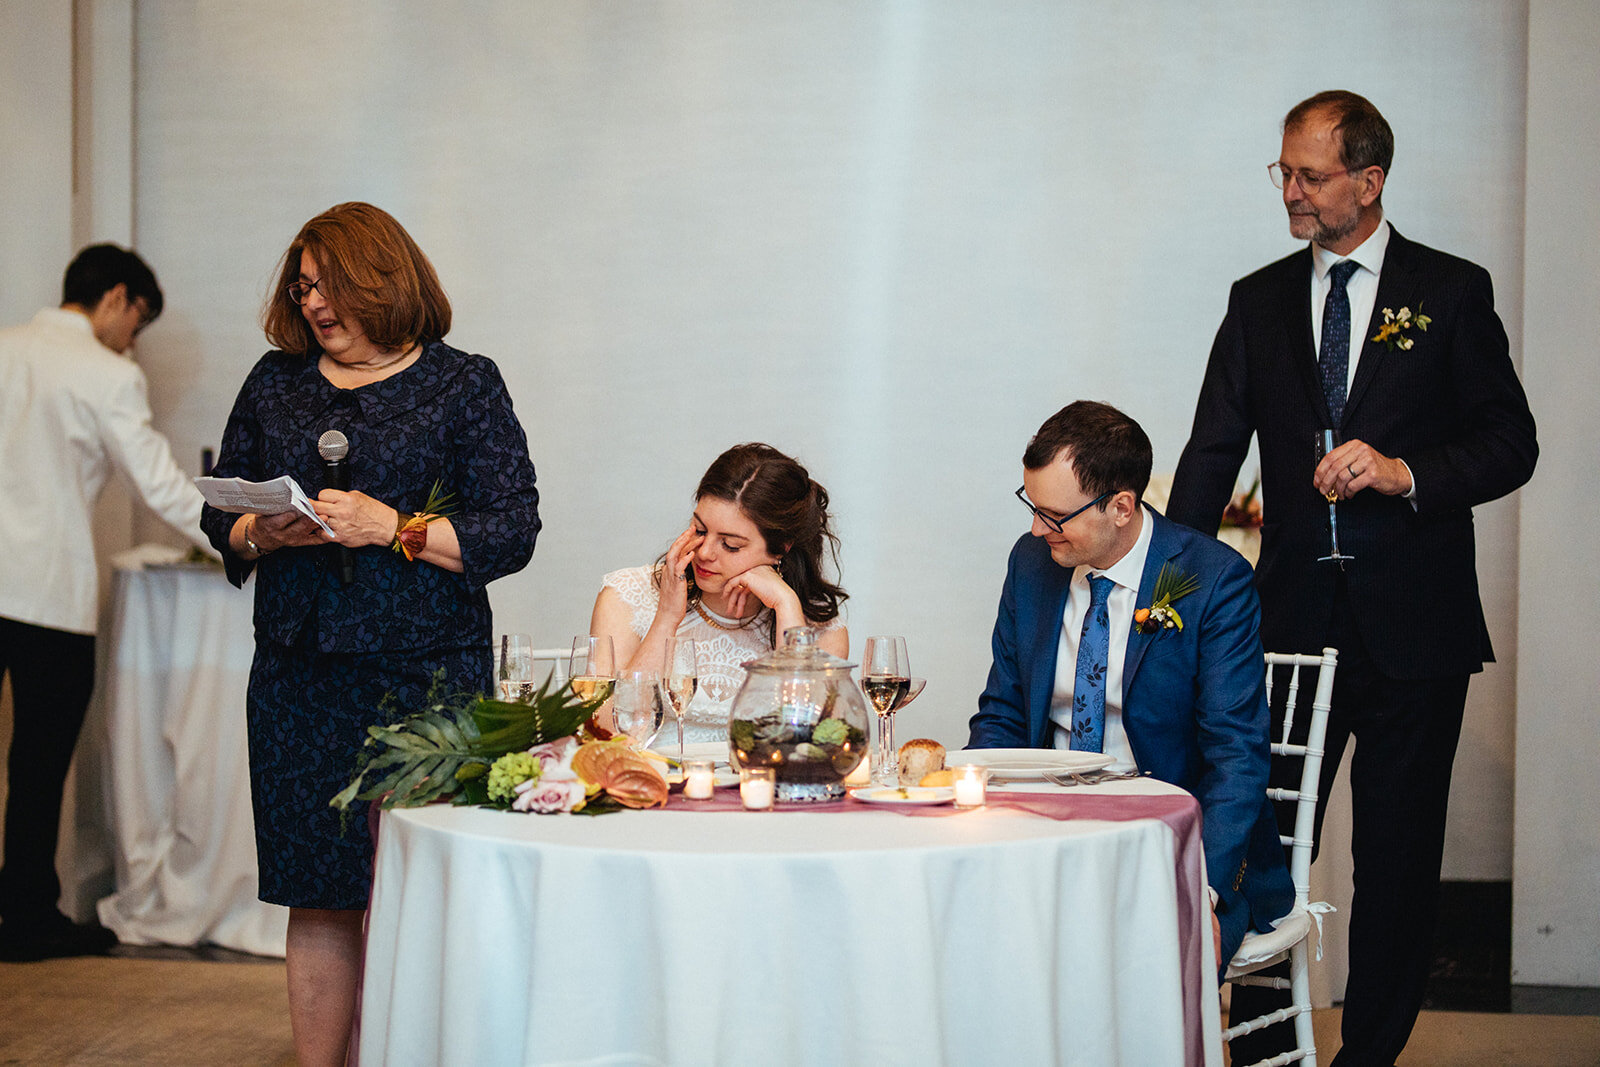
<point x="542" y="754"/>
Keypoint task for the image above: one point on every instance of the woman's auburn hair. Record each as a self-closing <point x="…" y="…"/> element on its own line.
<point x="370" y="271"/>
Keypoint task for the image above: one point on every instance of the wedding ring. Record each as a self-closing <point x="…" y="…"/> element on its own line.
<point x="1352" y="471"/>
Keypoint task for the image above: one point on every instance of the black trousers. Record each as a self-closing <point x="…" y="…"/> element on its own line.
<point x="1405" y="734"/>
<point x="52" y="677"/>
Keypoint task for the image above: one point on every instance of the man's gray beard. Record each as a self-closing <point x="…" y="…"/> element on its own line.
<point x="1322" y="233"/>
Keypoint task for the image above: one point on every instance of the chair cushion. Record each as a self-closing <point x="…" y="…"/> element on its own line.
<point x="1259" y="948"/>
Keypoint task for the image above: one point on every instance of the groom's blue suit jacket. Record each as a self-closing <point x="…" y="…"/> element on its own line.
<point x="1194" y="704"/>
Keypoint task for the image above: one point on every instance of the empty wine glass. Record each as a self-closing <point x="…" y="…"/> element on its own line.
<point x="886" y="680"/>
<point x="592" y="671"/>
<point x="513" y="672"/>
<point x="683" y="677"/>
<point x="639" y="706"/>
<point x="1323" y="442"/>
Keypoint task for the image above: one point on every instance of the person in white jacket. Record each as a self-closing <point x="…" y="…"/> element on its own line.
<point x="72" y="408"/>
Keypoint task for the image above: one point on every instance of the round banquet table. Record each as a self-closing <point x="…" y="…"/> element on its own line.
<point x="854" y="936"/>
<point x="180" y="642"/>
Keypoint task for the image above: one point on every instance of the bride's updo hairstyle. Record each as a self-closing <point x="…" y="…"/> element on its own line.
<point x="778" y="496"/>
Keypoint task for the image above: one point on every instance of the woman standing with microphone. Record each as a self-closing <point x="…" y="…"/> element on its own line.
<point x="394" y="595"/>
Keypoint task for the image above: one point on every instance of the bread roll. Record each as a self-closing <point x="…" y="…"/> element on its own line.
<point x="918" y="759"/>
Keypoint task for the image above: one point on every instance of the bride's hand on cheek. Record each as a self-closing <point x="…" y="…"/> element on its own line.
<point x="675" y="581"/>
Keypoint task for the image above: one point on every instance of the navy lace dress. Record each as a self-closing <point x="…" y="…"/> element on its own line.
<point x="326" y="653"/>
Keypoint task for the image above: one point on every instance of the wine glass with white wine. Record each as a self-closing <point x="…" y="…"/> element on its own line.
<point x="886" y="680"/>
<point x="683" y="677"/>
<point x="1322" y="442"/>
<point x="592" y="671"/>
<point x="513" y="674"/>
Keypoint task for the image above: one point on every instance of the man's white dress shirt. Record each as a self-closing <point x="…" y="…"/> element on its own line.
<point x="1125" y="573"/>
<point x="70" y="411"/>
<point x="1362" y="290"/>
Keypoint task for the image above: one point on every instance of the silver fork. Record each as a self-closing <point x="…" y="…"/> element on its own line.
<point x="1092" y="777"/>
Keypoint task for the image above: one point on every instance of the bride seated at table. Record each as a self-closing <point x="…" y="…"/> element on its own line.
<point x="749" y="567"/>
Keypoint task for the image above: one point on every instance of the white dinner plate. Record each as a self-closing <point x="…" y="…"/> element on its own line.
<point x="912" y="794"/>
<point x="1005" y="764"/>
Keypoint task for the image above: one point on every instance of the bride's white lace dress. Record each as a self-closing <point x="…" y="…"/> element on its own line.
<point x="719" y="653"/>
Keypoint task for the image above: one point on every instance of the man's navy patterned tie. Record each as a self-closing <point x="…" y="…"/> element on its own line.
<point x="1089" y="690"/>
<point x="1334" y="357"/>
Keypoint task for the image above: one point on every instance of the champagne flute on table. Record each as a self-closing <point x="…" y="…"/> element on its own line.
<point x="1323" y="442"/>
<point x="592" y="671"/>
<point x="639" y="706"/>
<point x="513" y="673"/>
<point x="683" y="677"/>
<point x="886" y="679"/>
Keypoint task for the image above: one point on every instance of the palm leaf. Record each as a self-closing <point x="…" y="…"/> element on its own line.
<point x="435" y="752"/>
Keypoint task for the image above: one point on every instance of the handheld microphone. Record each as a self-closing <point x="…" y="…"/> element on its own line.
<point x="334" y="447"/>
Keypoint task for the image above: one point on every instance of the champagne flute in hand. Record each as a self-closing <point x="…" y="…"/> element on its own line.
<point x="1323" y="442"/>
<point x="886" y="679"/>
<point x="592" y="669"/>
<point x="683" y="677"/>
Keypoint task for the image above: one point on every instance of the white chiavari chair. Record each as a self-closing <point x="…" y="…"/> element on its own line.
<point x="1290" y="939"/>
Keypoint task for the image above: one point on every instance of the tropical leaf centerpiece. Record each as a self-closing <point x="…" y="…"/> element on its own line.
<point x="508" y="754"/>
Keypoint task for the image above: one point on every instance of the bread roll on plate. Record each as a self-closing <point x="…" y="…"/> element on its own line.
<point x="918" y="759"/>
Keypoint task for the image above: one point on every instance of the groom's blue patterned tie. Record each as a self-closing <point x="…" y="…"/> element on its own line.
<point x="1089" y="690"/>
<point x="1334" y="356"/>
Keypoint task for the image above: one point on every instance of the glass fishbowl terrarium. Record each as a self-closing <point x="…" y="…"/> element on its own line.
<point x="800" y="713"/>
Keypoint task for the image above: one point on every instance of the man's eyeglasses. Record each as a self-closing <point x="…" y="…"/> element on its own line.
<point x="1310" y="181"/>
<point x="1054" y="523"/>
<point x="299" y="291"/>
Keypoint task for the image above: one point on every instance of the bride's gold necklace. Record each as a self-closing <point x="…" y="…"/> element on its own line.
<point x="706" y="615"/>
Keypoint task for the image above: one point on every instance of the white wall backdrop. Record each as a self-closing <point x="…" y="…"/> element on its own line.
<point x="1556" y="922"/>
<point x="889" y="238"/>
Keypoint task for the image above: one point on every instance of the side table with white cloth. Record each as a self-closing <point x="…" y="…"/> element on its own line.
<point x="856" y="935"/>
<point x="178" y="785"/>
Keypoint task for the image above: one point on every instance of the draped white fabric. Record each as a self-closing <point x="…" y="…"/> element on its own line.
<point x="178" y="783"/>
<point x="785" y="938"/>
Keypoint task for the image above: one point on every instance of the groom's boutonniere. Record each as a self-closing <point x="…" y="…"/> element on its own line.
<point x="1395" y="324"/>
<point x="1171" y="584"/>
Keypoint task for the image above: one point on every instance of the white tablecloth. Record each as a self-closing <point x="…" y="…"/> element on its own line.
<point x="862" y="937"/>
<point x="175" y="763"/>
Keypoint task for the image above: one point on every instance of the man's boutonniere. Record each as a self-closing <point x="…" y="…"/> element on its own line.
<point x="411" y="531"/>
<point x="1171" y="584"/>
<point x="1395" y="324"/>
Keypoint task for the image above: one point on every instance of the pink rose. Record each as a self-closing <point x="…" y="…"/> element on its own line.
<point x="549" y="794"/>
<point x="560" y="751"/>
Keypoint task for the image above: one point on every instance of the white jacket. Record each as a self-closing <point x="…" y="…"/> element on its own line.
<point x="70" y="411"/>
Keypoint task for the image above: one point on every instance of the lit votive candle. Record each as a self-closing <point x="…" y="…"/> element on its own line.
<point x="971" y="786"/>
<point x="757" y="788"/>
<point x="862" y="775"/>
<point x="698" y="781"/>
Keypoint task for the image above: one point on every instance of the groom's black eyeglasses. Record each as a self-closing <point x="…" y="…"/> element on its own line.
<point x="1054" y="523"/>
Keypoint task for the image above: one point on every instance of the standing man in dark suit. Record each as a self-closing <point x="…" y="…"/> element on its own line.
<point x="1397" y="348"/>
<point x="1081" y="661"/>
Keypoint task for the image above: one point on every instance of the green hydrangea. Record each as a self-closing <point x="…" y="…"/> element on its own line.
<point x="510" y="771"/>
<point x="831" y="732"/>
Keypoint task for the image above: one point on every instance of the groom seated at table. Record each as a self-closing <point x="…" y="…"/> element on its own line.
<point x="1123" y="633"/>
